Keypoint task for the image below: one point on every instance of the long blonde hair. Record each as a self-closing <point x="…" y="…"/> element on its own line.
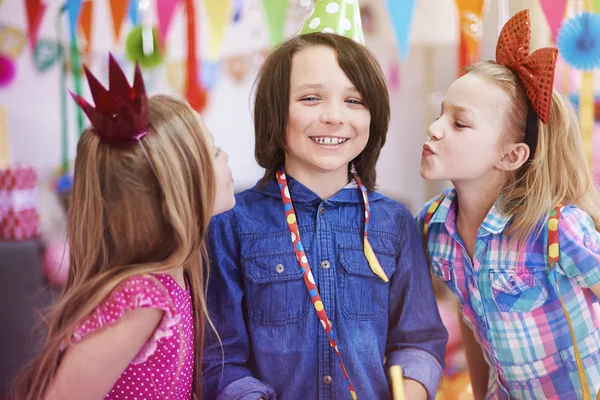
<point x="129" y="217"/>
<point x="558" y="172"/>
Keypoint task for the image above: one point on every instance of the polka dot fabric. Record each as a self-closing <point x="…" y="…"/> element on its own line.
<point x="163" y="369"/>
<point x="336" y="16"/>
<point x="536" y="71"/>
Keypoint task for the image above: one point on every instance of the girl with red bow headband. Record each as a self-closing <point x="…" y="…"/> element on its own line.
<point x="516" y="240"/>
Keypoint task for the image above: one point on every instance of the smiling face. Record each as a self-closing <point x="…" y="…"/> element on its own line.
<point x="328" y="123"/>
<point x="466" y="141"/>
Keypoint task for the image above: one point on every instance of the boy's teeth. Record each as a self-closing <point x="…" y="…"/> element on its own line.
<point x="329" y="140"/>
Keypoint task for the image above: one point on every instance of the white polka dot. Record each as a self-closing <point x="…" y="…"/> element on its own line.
<point x="286" y="192"/>
<point x="346" y="24"/>
<point x="328" y="30"/>
<point x="304" y="260"/>
<point x="350" y="1"/>
<point x="282" y="176"/>
<point x="332" y="8"/>
<point x="314" y="23"/>
<point x="311" y="279"/>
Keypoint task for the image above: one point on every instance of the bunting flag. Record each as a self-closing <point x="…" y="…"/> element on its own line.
<point x="73" y="11"/>
<point x="401" y="15"/>
<point x="118" y="10"/>
<point x="275" y="12"/>
<point x="238" y="6"/>
<point x="85" y="23"/>
<point x="35" y="10"/>
<point x="596" y="6"/>
<point x="165" y="9"/>
<point x="193" y="91"/>
<point x="554" y="10"/>
<point x="219" y="13"/>
<point x="470" y="14"/>
<point x="134" y="12"/>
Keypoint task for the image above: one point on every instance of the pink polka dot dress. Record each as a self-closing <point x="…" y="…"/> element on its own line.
<point x="163" y="368"/>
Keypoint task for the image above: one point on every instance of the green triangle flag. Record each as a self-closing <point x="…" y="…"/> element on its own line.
<point x="336" y="16"/>
<point x="275" y="11"/>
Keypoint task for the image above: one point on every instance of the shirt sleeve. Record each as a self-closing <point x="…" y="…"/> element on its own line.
<point x="579" y="241"/>
<point x="416" y="336"/>
<point x="225" y="373"/>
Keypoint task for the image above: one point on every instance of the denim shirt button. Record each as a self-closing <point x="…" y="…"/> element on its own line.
<point x="325" y="264"/>
<point x="322" y="210"/>
<point x="279" y="268"/>
<point x="327" y="379"/>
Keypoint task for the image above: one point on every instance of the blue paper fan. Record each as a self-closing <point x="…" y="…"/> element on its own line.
<point x="579" y="41"/>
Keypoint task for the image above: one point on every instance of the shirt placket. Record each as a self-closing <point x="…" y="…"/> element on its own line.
<point x="325" y="268"/>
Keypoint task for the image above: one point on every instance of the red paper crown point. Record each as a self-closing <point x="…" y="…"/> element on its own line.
<point x="120" y="115"/>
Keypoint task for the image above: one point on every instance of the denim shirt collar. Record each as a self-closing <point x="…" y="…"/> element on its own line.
<point x="301" y="194"/>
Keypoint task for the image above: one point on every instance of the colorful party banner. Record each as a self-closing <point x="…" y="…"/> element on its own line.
<point x="219" y="13"/>
<point x="73" y="11"/>
<point x="471" y="29"/>
<point x="85" y="23"/>
<point x="401" y="15"/>
<point x="134" y="12"/>
<point x="165" y="10"/>
<point x="554" y="10"/>
<point x="118" y="10"/>
<point x="275" y="13"/>
<point x="35" y="10"/>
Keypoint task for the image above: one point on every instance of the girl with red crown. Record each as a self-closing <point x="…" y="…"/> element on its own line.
<point x="130" y="323"/>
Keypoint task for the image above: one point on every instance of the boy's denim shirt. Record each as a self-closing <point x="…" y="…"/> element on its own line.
<point x="273" y="343"/>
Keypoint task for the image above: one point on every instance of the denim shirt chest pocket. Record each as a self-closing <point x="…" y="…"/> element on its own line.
<point x="518" y="290"/>
<point x="276" y="292"/>
<point x="364" y="296"/>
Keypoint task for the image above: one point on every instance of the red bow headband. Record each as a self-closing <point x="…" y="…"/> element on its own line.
<point x="536" y="70"/>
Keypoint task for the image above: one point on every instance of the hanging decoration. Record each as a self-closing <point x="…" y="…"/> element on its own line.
<point x="12" y="41"/>
<point x="194" y="93"/>
<point x="471" y="30"/>
<point x="134" y="48"/>
<point x="5" y="158"/>
<point x="73" y="11"/>
<point x="165" y="9"/>
<point x="219" y="14"/>
<point x="8" y="71"/>
<point x="85" y="23"/>
<point x="554" y="10"/>
<point x="118" y="10"/>
<point x="134" y="12"/>
<point x="35" y="10"/>
<point x="578" y="41"/>
<point x="275" y="13"/>
<point x="208" y="77"/>
<point x="46" y="54"/>
<point x="401" y="15"/>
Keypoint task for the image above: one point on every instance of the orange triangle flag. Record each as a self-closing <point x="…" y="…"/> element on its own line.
<point x="85" y="23"/>
<point x="118" y="10"/>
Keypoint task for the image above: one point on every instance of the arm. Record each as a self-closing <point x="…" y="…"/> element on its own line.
<point x="225" y="373"/>
<point x="579" y="257"/>
<point x="90" y="368"/>
<point x="478" y="368"/>
<point x="416" y="335"/>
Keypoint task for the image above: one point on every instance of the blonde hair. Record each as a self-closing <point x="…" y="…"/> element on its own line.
<point x="130" y="217"/>
<point x="556" y="174"/>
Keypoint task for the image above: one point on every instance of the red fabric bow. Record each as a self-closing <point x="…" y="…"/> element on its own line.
<point x="535" y="70"/>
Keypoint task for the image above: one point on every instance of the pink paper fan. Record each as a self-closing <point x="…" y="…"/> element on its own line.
<point x="7" y="70"/>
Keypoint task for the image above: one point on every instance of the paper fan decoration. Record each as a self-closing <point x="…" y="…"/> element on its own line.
<point x="7" y="70"/>
<point x="134" y="47"/>
<point x="579" y="41"/>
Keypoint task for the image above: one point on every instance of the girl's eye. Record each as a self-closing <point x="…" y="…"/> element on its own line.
<point x="459" y="125"/>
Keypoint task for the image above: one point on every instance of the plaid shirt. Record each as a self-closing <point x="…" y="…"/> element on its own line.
<point x="510" y="302"/>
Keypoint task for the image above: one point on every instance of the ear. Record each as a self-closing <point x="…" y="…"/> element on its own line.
<point x="515" y="155"/>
